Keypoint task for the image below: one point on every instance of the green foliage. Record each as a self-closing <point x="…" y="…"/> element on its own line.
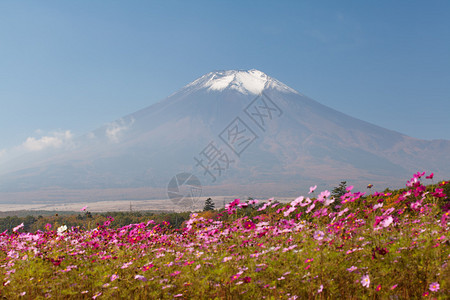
<point x="340" y="190"/>
<point x="209" y="205"/>
<point x="90" y="220"/>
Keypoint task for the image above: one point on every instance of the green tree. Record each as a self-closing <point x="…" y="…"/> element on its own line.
<point x="28" y="221"/>
<point x="340" y="190"/>
<point x="209" y="205"/>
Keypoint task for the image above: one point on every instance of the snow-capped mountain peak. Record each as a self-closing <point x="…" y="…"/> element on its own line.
<point x="247" y="82"/>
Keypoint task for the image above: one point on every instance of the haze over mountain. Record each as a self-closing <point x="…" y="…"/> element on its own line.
<point x="239" y="132"/>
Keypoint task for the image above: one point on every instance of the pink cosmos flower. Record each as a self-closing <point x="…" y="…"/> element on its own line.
<point x="175" y="273"/>
<point x="434" y="287"/>
<point x="114" y="277"/>
<point x="232" y="204"/>
<point x="323" y="195"/>
<point x="444" y="218"/>
<point x="318" y="235"/>
<point x="411" y="182"/>
<point x="376" y="206"/>
<point x="342" y="212"/>
<point x="418" y="175"/>
<point x="227" y="258"/>
<point x="365" y="281"/>
<point x="83" y="208"/>
<point x="126" y="265"/>
<point x="235" y="276"/>
<point x="263" y="207"/>
<point x="18" y="227"/>
<point x="387" y="221"/>
<point x="430" y="176"/>
<point x="297" y="201"/>
<point x="230" y="207"/>
<point x="288" y="212"/>
<point x="140" y="277"/>
<point x="388" y="211"/>
<point x="320" y="213"/>
<point x="147" y="267"/>
<point x="320" y="289"/>
<point x="310" y="208"/>
<point x="312" y="189"/>
<point x="352" y="268"/>
<point x="243" y="205"/>
<point x="304" y="203"/>
<point x="328" y="201"/>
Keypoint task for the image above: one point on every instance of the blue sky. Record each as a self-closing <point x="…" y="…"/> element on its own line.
<point x="72" y="66"/>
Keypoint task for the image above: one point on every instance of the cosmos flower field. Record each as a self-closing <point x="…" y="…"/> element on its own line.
<point x="361" y="246"/>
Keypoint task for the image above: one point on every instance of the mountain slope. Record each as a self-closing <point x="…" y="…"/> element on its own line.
<point x="238" y="132"/>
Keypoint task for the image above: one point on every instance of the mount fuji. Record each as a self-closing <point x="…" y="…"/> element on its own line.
<point x="238" y="132"/>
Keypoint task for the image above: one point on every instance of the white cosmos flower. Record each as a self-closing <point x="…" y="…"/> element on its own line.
<point x="61" y="229"/>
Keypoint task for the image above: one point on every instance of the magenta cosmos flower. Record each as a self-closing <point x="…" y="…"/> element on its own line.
<point x="249" y="225"/>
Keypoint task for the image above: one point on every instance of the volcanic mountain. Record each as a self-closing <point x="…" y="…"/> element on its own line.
<point x="237" y="132"/>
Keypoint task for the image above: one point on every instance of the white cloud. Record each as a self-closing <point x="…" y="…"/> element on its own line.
<point x="55" y="140"/>
<point x="115" y="130"/>
<point x="2" y="152"/>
